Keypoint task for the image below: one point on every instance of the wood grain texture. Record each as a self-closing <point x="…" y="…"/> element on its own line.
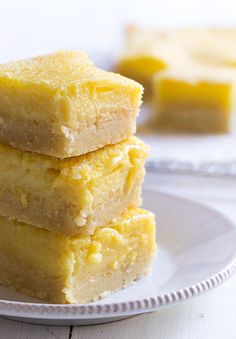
<point x="10" y="329"/>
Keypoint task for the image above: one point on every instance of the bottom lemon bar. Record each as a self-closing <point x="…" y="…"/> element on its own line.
<point x="195" y="99"/>
<point x="76" y="269"/>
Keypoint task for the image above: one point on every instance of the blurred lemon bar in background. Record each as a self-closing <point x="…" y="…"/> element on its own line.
<point x="194" y="99"/>
<point x="78" y="269"/>
<point x="212" y="46"/>
<point x="62" y="105"/>
<point x="147" y="52"/>
<point x="73" y="195"/>
<point x="182" y="71"/>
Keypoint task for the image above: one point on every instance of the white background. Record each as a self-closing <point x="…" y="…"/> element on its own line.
<point x="29" y="27"/>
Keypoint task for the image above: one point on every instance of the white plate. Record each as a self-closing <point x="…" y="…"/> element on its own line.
<point x="196" y="253"/>
<point x="192" y="148"/>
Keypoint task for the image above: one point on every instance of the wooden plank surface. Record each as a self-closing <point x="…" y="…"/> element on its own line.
<point x="211" y="316"/>
<point x="10" y="329"/>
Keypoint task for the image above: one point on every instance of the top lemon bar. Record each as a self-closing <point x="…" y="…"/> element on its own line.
<point x="62" y="105"/>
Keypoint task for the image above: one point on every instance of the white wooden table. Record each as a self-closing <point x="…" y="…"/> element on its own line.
<point x="211" y="316"/>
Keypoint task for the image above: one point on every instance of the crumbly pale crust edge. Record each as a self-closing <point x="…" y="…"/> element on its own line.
<point x="36" y="136"/>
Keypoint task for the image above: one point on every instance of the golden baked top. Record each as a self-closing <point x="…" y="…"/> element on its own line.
<point x="89" y="165"/>
<point x="57" y="71"/>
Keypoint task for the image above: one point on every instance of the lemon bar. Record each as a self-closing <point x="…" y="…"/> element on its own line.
<point x="72" y="195"/>
<point x="194" y="99"/>
<point x="214" y="45"/>
<point x="62" y="105"/>
<point x="147" y="52"/>
<point x="76" y="269"/>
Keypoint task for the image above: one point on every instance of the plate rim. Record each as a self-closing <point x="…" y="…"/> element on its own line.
<point x="33" y="310"/>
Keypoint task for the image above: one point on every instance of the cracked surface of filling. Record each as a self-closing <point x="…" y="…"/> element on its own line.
<point x="76" y="269"/>
<point x="73" y="195"/>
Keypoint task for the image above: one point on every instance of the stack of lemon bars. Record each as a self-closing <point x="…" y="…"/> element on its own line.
<point x="71" y="172"/>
